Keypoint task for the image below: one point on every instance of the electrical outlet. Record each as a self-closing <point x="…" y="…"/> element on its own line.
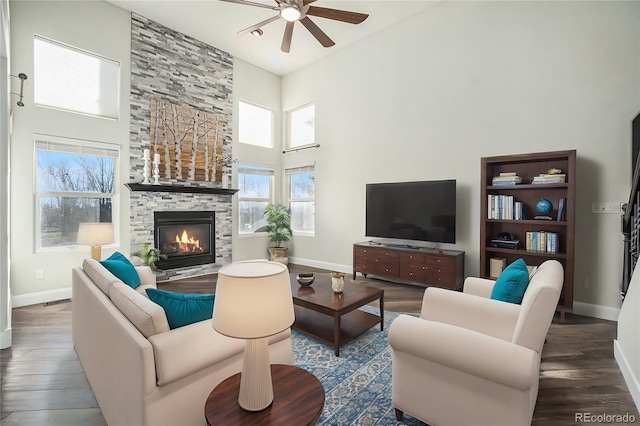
<point x="606" y="208"/>
<point x="39" y="274"/>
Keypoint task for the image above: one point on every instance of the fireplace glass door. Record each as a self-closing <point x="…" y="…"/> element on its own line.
<point x="186" y="238"/>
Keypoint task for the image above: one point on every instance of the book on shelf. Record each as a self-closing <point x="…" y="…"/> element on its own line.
<point x="503" y="174"/>
<point x="549" y="178"/>
<point x="506" y="180"/>
<point x="504" y="207"/>
<point x="541" y="241"/>
<point x="562" y="209"/>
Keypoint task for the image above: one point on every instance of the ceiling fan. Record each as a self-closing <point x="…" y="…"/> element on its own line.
<point x="299" y="10"/>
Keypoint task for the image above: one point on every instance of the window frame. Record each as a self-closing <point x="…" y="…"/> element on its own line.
<point x="114" y="195"/>
<point x="271" y="172"/>
<point x="288" y="126"/>
<point x="288" y="172"/>
<point x="271" y="124"/>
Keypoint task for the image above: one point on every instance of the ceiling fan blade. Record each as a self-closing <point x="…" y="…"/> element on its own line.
<point x="258" y="25"/>
<point x="251" y="3"/>
<point x="286" y="40"/>
<point x="317" y="32"/>
<point x="306" y="2"/>
<point x="337" y="15"/>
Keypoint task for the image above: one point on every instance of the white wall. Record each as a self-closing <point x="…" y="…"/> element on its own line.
<point x="428" y="98"/>
<point x="260" y="87"/>
<point x="97" y="27"/>
<point x="5" y="108"/>
<point x="627" y="345"/>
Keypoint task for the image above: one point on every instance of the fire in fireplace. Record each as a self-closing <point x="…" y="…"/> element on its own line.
<point x="186" y="237"/>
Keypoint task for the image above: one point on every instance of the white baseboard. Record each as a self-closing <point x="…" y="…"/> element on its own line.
<point x="347" y="269"/>
<point x="40" y="297"/>
<point x="5" y="339"/>
<point x="627" y="372"/>
<point x="596" y="311"/>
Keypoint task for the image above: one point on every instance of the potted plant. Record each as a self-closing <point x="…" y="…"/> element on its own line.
<point x="279" y="229"/>
<point x="150" y="255"/>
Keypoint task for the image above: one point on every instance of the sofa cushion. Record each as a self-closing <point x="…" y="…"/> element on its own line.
<point x="148" y="317"/>
<point x="511" y="283"/>
<point x="196" y="347"/>
<point x="121" y="267"/>
<point x="99" y="275"/>
<point x="183" y="309"/>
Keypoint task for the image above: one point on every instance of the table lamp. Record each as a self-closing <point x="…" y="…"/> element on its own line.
<point x="253" y="302"/>
<point x="95" y="234"/>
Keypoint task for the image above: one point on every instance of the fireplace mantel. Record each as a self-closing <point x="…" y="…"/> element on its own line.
<point x="179" y="188"/>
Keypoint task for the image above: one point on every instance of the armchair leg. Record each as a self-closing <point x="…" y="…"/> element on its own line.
<point x="399" y="414"/>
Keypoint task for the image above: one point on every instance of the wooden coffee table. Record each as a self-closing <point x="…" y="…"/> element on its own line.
<point x="298" y="399"/>
<point x="334" y="317"/>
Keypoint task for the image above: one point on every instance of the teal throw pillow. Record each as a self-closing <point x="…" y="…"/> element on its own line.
<point x="121" y="267"/>
<point x="183" y="309"/>
<point x="512" y="283"/>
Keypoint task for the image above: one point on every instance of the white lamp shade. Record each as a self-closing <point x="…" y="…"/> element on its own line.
<point x="95" y="233"/>
<point x="253" y="300"/>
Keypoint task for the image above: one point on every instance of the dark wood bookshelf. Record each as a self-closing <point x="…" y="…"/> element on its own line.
<point x="527" y="166"/>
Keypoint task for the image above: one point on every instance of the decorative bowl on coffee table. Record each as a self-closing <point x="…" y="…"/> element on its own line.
<point x="305" y="281"/>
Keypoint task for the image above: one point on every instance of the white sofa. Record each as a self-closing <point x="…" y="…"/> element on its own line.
<point x="471" y="360"/>
<point x="141" y="372"/>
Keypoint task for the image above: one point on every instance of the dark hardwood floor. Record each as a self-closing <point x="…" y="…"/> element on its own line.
<point x="43" y="382"/>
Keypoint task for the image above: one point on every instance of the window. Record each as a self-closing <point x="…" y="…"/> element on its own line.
<point x="255" y="192"/>
<point x="75" y="80"/>
<point x="255" y="125"/>
<point x="301" y="127"/>
<point x="75" y="183"/>
<point x="301" y="197"/>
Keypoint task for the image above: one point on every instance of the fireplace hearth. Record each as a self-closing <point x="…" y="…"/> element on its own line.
<point x="187" y="238"/>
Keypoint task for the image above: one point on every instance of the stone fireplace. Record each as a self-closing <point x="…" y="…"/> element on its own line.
<point x="199" y="77"/>
<point x="210" y="224"/>
<point x="187" y="238"/>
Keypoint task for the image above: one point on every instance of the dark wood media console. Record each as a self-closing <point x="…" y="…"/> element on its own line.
<point x="431" y="267"/>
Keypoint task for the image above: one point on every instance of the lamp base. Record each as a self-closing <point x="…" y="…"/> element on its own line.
<point x="96" y="252"/>
<point x="256" y="389"/>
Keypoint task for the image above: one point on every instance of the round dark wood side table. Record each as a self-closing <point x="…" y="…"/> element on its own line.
<point x="298" y="399"/>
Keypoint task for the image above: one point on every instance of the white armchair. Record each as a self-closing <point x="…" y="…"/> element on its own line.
<point x="469" y="359"/>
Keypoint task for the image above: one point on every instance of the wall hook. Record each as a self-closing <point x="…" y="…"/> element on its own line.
<point x="22" y="76"/>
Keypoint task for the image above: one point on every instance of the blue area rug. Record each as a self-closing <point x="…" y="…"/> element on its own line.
<point x="357" y="384"/>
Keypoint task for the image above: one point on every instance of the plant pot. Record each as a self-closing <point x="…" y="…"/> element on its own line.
<point x="279" y="254"/>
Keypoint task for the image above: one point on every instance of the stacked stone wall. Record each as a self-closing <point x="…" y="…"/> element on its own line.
<point x="174" y="67"/>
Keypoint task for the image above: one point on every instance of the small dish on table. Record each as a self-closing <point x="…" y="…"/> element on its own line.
<point x="305" y="279"/>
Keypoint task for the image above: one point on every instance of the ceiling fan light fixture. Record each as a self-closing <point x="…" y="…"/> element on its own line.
<point x="257" y="32"/>
<point x="290" y="13"/>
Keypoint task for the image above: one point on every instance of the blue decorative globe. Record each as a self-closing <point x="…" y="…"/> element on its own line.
<point x="543" y="206"/>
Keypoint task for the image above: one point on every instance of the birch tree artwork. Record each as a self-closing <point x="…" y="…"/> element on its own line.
<point x="188" y="141"/>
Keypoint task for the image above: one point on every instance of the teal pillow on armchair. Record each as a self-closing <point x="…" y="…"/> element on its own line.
<point x="512" y="283"/>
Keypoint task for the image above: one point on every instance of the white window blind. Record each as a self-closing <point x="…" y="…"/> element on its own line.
<point x="49" y="145"/>
<point x="75" y="80"/>
<point x="255" y="125"/>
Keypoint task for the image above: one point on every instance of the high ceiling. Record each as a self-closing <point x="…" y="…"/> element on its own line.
<point x="217" y="23"/>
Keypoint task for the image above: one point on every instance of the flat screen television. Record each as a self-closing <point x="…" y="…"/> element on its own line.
<point x="416" y="211"/>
